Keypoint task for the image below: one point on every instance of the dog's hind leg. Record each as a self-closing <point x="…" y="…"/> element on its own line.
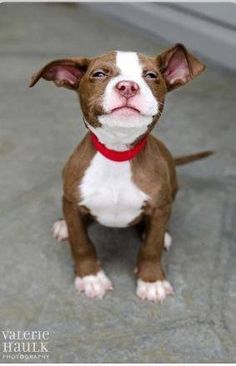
<point x="60" y="230"/>
<point x="167" y="241"/>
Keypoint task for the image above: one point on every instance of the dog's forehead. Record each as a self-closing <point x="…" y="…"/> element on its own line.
<point x="106" y="59"/>
<point x="148" y="62"/>
<point x="127" y="62"/>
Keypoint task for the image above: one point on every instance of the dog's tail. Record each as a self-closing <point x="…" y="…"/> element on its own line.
<point x="181" y="160"/>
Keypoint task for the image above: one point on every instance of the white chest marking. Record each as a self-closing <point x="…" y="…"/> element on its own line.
<point x="110" y="194"/>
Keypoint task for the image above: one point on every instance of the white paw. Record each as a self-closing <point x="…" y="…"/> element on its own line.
<point x="167" y="241"/>
<point x="60" y="230"/>
<point x="94" y="285"/>
<point x="154" y="291"/>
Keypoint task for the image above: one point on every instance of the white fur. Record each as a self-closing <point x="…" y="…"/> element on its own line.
<point x="121" y="129"/>
<point x="60" y="230"/>
<point x="110" y="194"/>
<point x="116" y="137"/>
<point x="93" y="285"/>
<point x="130" y="69"/>
<point x="154" y="291"/>
<point x="167" y="241"/>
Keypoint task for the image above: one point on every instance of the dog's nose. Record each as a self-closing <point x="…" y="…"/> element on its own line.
<point x="127" y="88"/>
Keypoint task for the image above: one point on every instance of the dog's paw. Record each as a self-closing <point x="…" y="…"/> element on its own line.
<point x="154" y="291"/>
<point x="60" y="230"/>
<point x="167" y="241"/>
<point x="94" y="285"/>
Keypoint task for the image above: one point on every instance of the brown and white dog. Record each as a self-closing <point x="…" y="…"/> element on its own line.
<point x="120" y="175"/>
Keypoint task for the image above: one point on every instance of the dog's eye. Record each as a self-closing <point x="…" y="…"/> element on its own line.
<point x="99" y="74"/>
<point x="150" y="75"/>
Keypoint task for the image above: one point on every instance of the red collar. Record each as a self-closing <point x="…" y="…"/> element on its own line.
<point x="118" y="155"/>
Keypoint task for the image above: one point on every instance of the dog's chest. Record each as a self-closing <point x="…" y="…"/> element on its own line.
<point x="108" y="191"/>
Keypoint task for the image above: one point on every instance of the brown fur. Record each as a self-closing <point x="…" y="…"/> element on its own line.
<point x="153" y="169"/>
<point x="91" y="90"/>
<point x="82" y="248"/>
<point x="181" y="160"/>
<point x="157" y="178"/>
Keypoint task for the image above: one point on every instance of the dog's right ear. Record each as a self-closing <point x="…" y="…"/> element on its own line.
<point x="64" y="72"/>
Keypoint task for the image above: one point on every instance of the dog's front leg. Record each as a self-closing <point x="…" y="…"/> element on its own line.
<point x="89" y="277"/>
<point x="152" y="284"/>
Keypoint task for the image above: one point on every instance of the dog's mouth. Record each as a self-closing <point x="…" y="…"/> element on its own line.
<point x="125" y="111"/>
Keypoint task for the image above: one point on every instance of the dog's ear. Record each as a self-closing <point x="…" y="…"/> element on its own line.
<point x="64" y="72"/>
<point x="178" y="66"/>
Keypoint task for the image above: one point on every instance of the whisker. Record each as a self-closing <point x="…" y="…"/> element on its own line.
<point x="159" y="113"/>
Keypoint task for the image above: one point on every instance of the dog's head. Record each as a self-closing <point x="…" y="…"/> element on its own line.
<point x="122" y="93"/>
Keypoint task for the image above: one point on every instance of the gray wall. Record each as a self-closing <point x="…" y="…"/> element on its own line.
<point x="209" y="28"/>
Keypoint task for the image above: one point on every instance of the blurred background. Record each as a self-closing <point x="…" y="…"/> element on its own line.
<point x="205" y="27"/>
<point x="40" y="127"/>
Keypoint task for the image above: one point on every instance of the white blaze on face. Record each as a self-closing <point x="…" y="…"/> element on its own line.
<point x="130" y="70"/>
<point x="124" y="128"/>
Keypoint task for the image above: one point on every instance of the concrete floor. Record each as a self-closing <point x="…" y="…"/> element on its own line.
<point x="39" y="129"/>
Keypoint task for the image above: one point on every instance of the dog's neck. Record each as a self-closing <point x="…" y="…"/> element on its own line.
<point x="118" y="156"/>
<point x="117" y="138"/>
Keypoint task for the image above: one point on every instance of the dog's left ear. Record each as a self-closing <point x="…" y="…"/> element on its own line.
<point x="178" y="66"/>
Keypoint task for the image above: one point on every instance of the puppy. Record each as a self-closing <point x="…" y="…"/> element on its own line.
<point x="120" y="175"/>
